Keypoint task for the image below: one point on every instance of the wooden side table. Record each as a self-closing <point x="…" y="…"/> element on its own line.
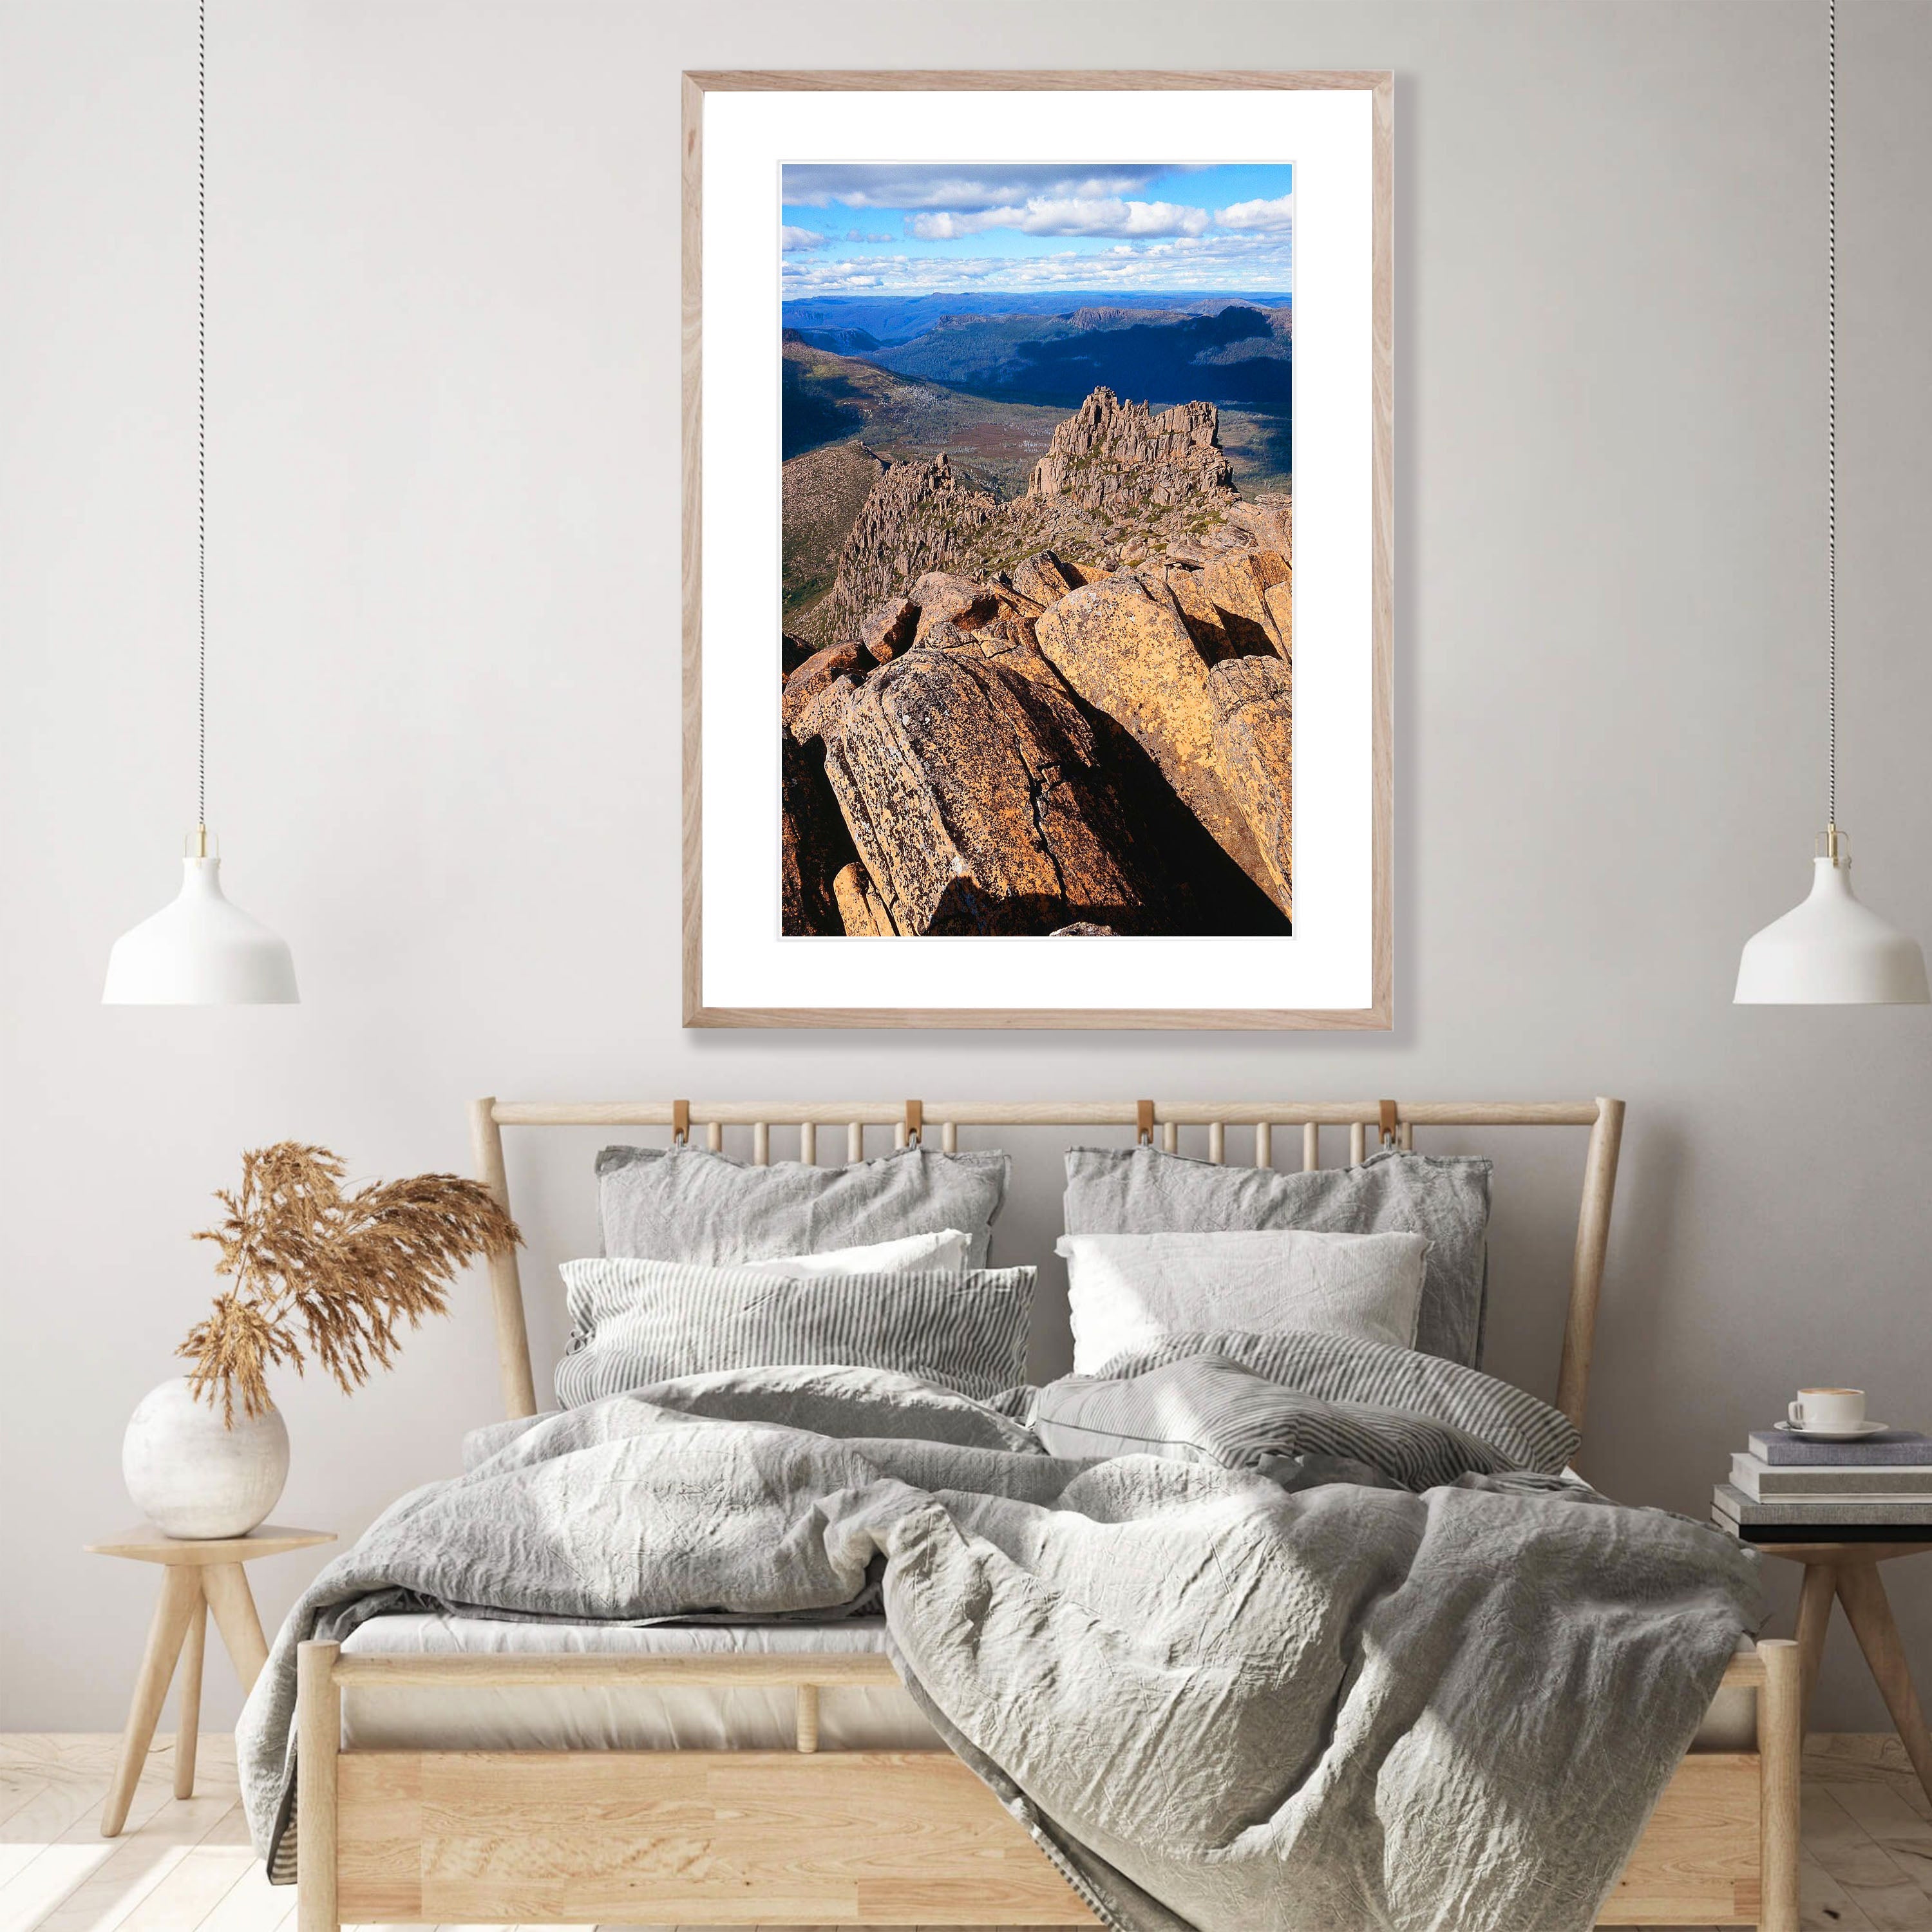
<point x="1847" y="1572"/>
<point x="198" y="1577"/>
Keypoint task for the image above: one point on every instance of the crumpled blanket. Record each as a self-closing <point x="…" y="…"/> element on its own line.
<point x="1216" y="1701"/>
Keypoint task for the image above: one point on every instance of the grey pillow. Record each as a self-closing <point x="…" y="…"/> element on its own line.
<point x="1209" y="1408"/>
<point x="1375" y="1389"/>
<point x="686" y="1204"/>
<point x="634" y="1323"/>
<point x="1143" y="1191"/>
<point x="833" y="1400"/>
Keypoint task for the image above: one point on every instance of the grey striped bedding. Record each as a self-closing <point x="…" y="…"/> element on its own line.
<point x="1263" y="1401"/>
<point x="634" y="1323"/>
<point x="1214" y="1704"/>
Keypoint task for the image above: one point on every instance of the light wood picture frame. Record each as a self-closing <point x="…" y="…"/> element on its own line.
<point x="1337" y="969"/>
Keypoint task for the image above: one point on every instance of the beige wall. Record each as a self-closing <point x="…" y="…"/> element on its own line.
<point x="443" y="500"/>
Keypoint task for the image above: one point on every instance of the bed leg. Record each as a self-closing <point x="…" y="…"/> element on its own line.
<point x="318" y="1738"/>
<point x="1780" y="1746"/>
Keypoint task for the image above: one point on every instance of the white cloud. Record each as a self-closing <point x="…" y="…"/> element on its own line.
<point x="1106" y="215"/>
<point x="952" y="227"/>
<point x="892" y="185"/>
<point x="1249" y="264"/>
<point x="1275" y="217"/>
<point x="791" y="240"/>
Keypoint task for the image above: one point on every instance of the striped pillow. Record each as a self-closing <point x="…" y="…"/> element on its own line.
<point x="636" y="1322"/>
<point x="1206" y="1408"/>
<point x="1524" y="1433"/>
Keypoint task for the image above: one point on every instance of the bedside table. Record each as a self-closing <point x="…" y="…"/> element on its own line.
<point x="1845" y="1571"/>
<point x="197" y="1577"/>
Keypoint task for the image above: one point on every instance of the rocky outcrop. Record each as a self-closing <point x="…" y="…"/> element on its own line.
<point x="919" y="516"/>
<point x="1278" y="604"/>
<point x="1124" y="647"/>
<point x="1070" y="715"/>
<point x="945" y="599"/>
<point x="1128" y="653"/>
<point x="1236" y="587"/>
<point x="1046" y="578"/>
<point x="887" y="628"/>
<point x="860" y="908"/>
<point x="1110" y="454"/>
<point x="812" y="676"/>
<point x="1206" y="625"/>
<point x="1265" y="522"/>
<point x="813" y="843"/>
<point x="1254" y="746"/>
<point x="975" y="795"/>
<point x="1118" y="485"/>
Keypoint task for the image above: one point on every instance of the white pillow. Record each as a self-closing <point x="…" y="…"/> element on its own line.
<point x="1128" y="1290"/>
<point x="944" y="1252"/>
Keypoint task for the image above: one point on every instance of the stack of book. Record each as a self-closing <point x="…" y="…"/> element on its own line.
<point x="1786" y="1488"/>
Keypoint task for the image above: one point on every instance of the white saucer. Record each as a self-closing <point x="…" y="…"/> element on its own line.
<point x="1854" y="1435"/>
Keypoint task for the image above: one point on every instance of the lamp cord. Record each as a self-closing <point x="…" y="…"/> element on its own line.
<point x="1832" y="405"/>
<point x="202" y="414"/>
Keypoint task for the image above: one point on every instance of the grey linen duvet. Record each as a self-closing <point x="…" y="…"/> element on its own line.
<point x="1217" y="1698"/>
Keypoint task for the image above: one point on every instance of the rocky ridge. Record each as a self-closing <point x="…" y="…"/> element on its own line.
<point x="1118" y="486"/>
<point x="1060" y="743"/>
<point x="918" y="516"/>
<point x="1110" y="454"/>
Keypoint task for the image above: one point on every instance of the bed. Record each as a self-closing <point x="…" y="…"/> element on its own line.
<point x="458" y="1771"/>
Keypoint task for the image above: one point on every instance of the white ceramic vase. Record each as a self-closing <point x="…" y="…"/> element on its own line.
<point x="192" y="1477"/>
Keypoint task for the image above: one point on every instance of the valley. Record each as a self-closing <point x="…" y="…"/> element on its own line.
<point x="870" y="380"/>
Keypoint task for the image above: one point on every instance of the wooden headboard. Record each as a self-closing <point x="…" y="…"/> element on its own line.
<point x="1394" y="1122"/>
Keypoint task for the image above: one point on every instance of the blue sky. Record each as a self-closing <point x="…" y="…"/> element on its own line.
<point x="850" y="229"/>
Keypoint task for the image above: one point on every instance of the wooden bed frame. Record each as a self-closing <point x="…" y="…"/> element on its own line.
<point x="750" y="1837"/>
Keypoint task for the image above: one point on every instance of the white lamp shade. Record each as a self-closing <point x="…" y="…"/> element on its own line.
<point x="1831" y="951"/>
<point x="200" y="951"/>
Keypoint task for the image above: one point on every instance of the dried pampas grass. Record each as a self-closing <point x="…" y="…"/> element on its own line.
<point x="337" y="1272"/>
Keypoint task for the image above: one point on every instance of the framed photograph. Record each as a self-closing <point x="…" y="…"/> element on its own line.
<point x="1037" y="550"/>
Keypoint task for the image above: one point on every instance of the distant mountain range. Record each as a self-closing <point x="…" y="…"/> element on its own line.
<point x="1236" y="356"/>
<point x="891" y="319"/>
<point x="1019" y="352"/>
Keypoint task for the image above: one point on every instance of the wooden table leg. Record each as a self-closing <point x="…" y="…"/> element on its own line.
<point x="180" y="1597"/>
<point x="1862" y="1593"/>
<point x="225" y="1586"/>
<point x="187" y="1699"/>
<point x="1814" y="1619"/>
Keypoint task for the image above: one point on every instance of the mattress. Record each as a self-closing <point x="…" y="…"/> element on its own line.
<point x="631" y="1717"/>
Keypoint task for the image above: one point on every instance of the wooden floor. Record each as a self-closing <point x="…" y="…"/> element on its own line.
<point x="184" y="1865"/>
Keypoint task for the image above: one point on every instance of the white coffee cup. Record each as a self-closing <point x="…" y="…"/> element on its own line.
<point x="1830" y="1411"/>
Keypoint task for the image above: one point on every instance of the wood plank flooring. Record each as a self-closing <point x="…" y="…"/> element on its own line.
<point x="184" y="1865"/>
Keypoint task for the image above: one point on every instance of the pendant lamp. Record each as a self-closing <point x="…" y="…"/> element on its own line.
<point x="200" y="950"/>
<point x="1830" y="950"/>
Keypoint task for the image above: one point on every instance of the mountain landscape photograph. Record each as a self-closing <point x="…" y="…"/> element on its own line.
<point x="1036" y="634"/>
